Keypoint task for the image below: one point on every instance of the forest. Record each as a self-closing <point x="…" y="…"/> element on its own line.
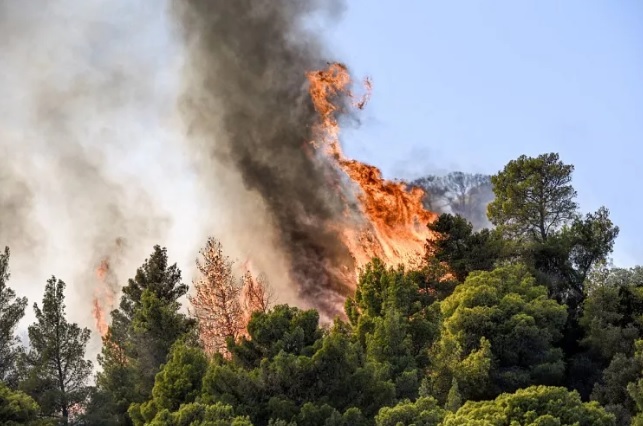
<point x="514" y="315"/>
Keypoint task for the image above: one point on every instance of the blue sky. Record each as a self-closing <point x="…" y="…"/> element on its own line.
<point x="472" y="85"/>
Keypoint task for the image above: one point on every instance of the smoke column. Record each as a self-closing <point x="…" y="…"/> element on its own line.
<point x="249" y="120"/>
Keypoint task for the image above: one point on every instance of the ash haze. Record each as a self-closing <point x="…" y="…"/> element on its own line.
<point x="85" y="154"/>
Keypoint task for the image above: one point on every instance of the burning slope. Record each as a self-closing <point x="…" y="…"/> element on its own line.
<point x="393" y="225"/>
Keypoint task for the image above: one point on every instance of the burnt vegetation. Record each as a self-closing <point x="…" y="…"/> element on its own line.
<point x="522" y="322"/>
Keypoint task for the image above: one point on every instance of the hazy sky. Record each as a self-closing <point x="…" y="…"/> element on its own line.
<point x="472" y="85"/>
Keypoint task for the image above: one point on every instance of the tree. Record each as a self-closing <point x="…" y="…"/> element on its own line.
<point x="18" y="408"/>
<point x="533" y="406"/>
<point x="156" y="275"/>
<point x="463" y="250"/>
<point x="533" y="197"/>
<point x="612" y="313"/>
<point x="178" y="383"/>
<point x="635" y="388"/>
<point x="459" y="193"/>
<point x="143" y="329"/>
<point x="12" y="310"/>
<point x="257" y="294"/>
<point x="423" y="412"/>
<point x="216" y="303"/>
<point x="535" y="207"/>
<point x="611" y="390"/>
<point x="498" y="335"/>
<point x="397" y="304"/>
<point x="57" y="369"/>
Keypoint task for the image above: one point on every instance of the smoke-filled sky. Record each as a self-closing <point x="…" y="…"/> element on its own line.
<point x="93" y="122"/>
<point x="472" y="86"/>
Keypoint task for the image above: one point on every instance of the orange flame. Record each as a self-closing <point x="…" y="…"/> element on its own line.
<point x="393" y="223"/>
<point x="104" y="295"/>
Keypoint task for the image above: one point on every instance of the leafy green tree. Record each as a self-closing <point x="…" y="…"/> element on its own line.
<point x="385" y="296"/>
<point x="17" y="408"/>
<point x="12" y="310"/>
<point x="534" y="197"/>
<point x="57" y="369"/>
<point x="611" y="390"/>
<point x="462" y="249"/>
<point x="635" y="388"/>
<point x="565" y="260"/>
<point x="533" y="406"/>
<point x="143" y="330"/>
<point x="535" y="206"/>
<point x="196" y="414"/>
<point x="423" y="412"/>
<point x="284" y="328"/>
<point x="298" y="365"/>
<point x="454" y="399"/>
<point x="178" y="382"/>
<point x="498" y="335"/>
<point x="612" y="315"/>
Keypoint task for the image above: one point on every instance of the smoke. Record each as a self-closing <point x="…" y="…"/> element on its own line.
<point x="249" y="122"/>
<point x="82" y="99"/>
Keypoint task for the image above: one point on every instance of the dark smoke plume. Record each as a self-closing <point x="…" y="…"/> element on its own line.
<point x="247" y="108"/>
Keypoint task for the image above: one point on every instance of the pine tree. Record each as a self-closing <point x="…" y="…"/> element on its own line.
<point x="12" y="310"/>
<point x="256" y="294"/>
<point x="57" y="370"/>
<point x="216" y="304"/>
<point x="142" y="332"/>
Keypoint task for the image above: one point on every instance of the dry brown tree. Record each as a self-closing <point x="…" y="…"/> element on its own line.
<point x="257" y="294"/>
<point x="216" y="303"/>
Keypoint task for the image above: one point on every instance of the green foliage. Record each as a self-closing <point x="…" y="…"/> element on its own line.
<point x="534" y="197"/>
<point x="613" y="313"/>
<point x="454" y="399"/>
<point x="533" y="406"/>
<point x="423" y="412"/>
<point x="140" y="337"/>
<point x="178" y="382"/>
<point x="462" y="249"/>
<point x="12" y="310"/>
<point x="385" y="297"/>
<point x="16" y="407"/>
<point x="535" y="206"/>
<point x="498" y="334"/>
<point x="196" y="414"/>
<point x="285" y="328"/>
<point x="635" y="388"/>
<point x="56" y="371"/>
<point x="156" y="275"/>
<point x="611" y="391"/>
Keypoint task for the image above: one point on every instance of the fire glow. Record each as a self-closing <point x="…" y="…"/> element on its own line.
<point x="105" y="293"/>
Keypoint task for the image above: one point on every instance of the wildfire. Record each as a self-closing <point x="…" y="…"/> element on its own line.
<point x="104" y="296"/>
<point x="106" y="289"/>
<point x="392" y="220"/>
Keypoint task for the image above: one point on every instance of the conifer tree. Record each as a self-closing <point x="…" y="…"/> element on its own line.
<point x="57" y="371"/>
<point x="143" y="330"/>
<point x="12" y="310"/>
<point x="217" y="304"/>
